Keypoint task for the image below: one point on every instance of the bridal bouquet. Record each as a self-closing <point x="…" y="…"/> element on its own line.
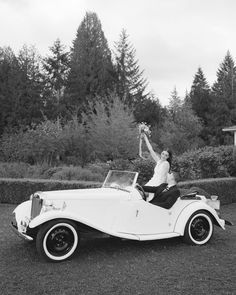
<point x="144" y="128"/>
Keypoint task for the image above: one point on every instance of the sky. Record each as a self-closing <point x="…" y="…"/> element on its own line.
<point x="172" y="38"/>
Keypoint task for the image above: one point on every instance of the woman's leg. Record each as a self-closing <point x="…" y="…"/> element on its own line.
<point x="154" y="190"/>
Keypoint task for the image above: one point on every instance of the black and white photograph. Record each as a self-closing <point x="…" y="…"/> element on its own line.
<point x="117" y="147"/>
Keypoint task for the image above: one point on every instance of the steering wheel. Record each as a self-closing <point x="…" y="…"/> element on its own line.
<point x="141" y="190"/>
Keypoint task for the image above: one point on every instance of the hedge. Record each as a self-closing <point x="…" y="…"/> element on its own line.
<point x="224" y="188"/>
<point x="16" y="191"/>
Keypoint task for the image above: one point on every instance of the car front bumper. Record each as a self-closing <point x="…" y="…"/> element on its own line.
<point x="15" y="229"/>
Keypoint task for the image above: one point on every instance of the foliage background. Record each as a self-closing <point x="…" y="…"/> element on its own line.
<point x="65" y="113"/>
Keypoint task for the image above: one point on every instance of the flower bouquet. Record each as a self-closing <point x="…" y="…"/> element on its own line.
<point x="144" y="128"/>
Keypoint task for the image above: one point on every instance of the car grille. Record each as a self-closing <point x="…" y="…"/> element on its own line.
<point x="36" y="206"/>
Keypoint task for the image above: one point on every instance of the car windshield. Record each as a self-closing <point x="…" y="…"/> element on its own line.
<point x="120" y="179"/>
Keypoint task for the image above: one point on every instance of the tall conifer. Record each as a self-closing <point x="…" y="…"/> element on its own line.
<point x="223" y="108"/>
<point x="201" y="102"/>
<point x="131" y="85"/>
<point x="200" y="95"/>
<point x="91" y="69"/>
<point x="31" y="105"/>
<point x="10" y="83"/>
<point x="56" y="67"/>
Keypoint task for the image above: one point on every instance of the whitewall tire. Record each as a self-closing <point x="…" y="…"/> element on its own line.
<point x="199" y="228"/>
<point x="57" y="240"/>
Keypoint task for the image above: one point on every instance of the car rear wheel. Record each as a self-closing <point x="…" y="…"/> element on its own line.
<point x="199" y="229"/>
<point x="57" y="240"/>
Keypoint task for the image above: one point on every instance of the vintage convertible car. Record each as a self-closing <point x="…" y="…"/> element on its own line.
<point x="56" y="219"/>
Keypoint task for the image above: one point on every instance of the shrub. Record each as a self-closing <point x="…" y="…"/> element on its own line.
<point x="99" y="168"/>
<point x="35" y="145"/>
<point x="120" y="164"/>
<point x="111" y="130"/>
<point x="14" y="170"/>
<point x="187" y="166"/>
<point x="145" y="169"/>
<point x="205" y="163"/>
<point x="94" y="172"/>
<point x="232" y="165"/>
<point x="74" y="138"/>
<point x="44" y="172"/>
<point x="77" y="173"/>
<point x="11" y="147"/>
<point x="24" y="170"/>
<point x="181" y="127"/>
<point x="47" y="142"/>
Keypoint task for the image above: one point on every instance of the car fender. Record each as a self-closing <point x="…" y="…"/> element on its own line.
<point x="55" y="214"/>
<point x="59" y="214"/>
<point x="187" y="211"/>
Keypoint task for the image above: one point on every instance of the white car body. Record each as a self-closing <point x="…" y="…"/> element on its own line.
<point x="117" y="209"/>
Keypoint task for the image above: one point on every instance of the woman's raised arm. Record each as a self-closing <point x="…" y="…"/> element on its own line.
<point x="154" y="155"/>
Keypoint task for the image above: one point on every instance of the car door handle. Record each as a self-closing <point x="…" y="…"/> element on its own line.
<point x="137" y="212"/>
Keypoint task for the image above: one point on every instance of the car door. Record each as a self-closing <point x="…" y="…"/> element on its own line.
<point x="143" y="218"/>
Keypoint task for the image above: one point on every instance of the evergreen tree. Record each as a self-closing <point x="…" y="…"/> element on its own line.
<point x="10" y="83"/>
<point x="56" y="68"/>
<point x="131" y="85"/>
<point x="175" y="103"/>
<point x="223" y="107"/>
<point x="21" y="88"/>
<point x="200" y="100"/>
<point x="91" y="70"/>
<point x="31" y="106"/>
<point x="200" y="95"/>
<point x="150" y="111"/>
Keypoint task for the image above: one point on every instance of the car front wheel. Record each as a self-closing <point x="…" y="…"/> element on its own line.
<point x="57" y="240"/>
<point x="199" y="229"/>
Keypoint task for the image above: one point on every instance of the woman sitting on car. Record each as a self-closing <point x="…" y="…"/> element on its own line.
<point x="163" y="163"/>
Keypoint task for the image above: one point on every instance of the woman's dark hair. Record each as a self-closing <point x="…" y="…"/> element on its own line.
<point x="170" y="157"/>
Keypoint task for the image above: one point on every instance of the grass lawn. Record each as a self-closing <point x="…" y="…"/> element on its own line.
<point x="110" y="266"/>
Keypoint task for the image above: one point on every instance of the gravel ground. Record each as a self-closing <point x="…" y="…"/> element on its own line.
<point x="105" y="265"/>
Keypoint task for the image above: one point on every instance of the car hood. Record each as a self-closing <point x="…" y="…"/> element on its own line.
<point x="91" y="193"/>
